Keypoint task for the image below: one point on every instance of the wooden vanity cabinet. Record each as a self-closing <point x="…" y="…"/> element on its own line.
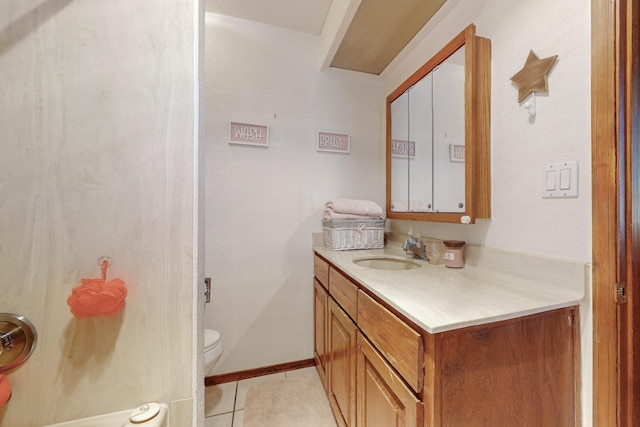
<point x="382" y="370"/>
<point x="362" y="386"/>
<point x="335" y="342"/>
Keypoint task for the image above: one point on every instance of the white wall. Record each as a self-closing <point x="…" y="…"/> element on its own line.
<point x="97" y="120"/>
<point x="263" y="203"/>
<point x="521" y="220"/>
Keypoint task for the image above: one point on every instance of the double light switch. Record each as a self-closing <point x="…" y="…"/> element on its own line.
<point x="560" y="180"/>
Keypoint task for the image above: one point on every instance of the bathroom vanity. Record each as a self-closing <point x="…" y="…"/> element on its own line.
<point x="431" y="346"/>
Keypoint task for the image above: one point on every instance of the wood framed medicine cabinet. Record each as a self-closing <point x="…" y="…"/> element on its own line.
<point x="438" y="136"/>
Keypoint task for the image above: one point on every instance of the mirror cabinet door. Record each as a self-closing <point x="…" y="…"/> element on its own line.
<point x="412" y="149"/>
<point x="421" y="131"/>
<point x="438" y="122"/>
<point x="448" y="134"/>
<point x="400" y="153"/>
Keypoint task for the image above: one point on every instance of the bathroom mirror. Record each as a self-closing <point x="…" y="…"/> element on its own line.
<point x="438" y="121"/>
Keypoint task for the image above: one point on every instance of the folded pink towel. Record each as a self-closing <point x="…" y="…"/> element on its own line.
<point x="412" y="206"/>
<point x="331" y="214"/>
<point x="355" y="207"/>
<point x="5" y="390"/>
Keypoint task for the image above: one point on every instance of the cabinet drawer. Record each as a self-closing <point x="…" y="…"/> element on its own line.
<point x="383" y="399"/>
<point x="344" y="291"/>
<point x="321" y="271"/>
<point x="397" y="341"/>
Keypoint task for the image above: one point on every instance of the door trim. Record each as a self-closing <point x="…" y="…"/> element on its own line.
<point x="615" y="106"/>
<point x="605" y="215"/>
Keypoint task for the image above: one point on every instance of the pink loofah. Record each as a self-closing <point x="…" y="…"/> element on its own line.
<point x="97" y="297"/>
<point x="5" y="390"/>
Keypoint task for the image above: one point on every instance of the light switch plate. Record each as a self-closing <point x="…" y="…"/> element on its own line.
<point x="560" y="180"/>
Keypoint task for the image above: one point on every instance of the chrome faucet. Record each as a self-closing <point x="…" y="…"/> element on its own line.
<point x="415" y="247"/>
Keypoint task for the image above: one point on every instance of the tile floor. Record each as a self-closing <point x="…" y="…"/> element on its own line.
<point x="224" y="403"/>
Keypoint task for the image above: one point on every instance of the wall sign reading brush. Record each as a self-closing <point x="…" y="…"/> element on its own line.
<point x="334" y="141"/>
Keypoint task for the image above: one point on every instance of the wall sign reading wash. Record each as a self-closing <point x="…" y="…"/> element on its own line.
<point x="335" y="142"/>
<point x="245" y="133"/>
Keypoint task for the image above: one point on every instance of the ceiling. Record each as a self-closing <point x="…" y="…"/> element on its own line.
<point x="301" y="15"/>
<point x="374" y="37"/>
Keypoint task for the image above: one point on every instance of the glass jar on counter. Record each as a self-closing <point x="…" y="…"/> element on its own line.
<point x="454" y="253"/>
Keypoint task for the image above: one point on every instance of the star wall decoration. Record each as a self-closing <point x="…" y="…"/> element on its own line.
<point x="533" y="76"/>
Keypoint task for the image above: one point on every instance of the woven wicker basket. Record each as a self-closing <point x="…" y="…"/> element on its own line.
<point x="346" y="234"/>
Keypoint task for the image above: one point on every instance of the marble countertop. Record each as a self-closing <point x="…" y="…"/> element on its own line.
<point x="494" y="285"/>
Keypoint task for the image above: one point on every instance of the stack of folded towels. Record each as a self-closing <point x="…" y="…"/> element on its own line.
<point x="410" y="206"/>
<point x="352" y="209"/>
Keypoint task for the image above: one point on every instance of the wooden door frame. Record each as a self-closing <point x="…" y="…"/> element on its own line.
<point x="605" y="211"/>
<point x="616" y="249"/>
<point x="629" y="249"/>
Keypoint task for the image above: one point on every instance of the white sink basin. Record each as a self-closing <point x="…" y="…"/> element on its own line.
<point x="386" y="263"/>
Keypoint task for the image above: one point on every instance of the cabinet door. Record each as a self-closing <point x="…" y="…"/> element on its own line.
<point x="438" y="136"/>
<point x="320" y="311"/>
<point x="449" y="134"/>
<point x="384" y="400"/>
<point x="411" y="159"/>
<point x="341" y="366"/>
<point x="518" y="373"/>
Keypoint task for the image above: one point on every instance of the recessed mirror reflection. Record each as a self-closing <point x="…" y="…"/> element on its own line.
<point x="427" y="142"/>
<point x="438" y="121"/>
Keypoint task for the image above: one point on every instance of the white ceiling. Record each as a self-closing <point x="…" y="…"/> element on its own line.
<point x="300" y="15"/>
<point x="375" y="35"/>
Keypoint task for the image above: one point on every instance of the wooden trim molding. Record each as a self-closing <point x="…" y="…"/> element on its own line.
<point x="605" y="218"/>
<point x="629" y="249"/>
<point x="258" y="372"/>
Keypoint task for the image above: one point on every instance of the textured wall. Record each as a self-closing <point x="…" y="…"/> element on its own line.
<point x="262" y="204"/>
<point x="521" y="220"/>
<point x="97" y="118"/>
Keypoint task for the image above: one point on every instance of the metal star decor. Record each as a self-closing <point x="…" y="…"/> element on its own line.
<point x="533" y="76"/>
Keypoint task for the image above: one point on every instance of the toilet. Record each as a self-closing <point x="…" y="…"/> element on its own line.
<point x="212" y="349"/>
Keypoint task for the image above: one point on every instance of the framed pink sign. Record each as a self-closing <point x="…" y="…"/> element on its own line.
<point x="402" y="148"/>
<point x="334" y="142"/>
<point x="248" y="134"/>
<point x="456" y="153"/>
